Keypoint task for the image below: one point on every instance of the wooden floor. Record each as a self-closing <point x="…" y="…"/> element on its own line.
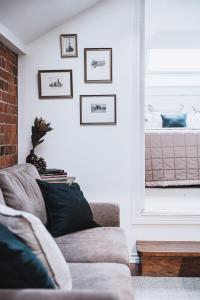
<point x="169" y="258"/>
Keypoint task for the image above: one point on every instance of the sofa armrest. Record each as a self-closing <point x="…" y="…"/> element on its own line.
<point x="38" y="294"/>
<point x="106" y="214"/>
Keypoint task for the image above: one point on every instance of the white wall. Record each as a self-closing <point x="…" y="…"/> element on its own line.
<point x="172" y="24"/>
<point x="101" y="157"/>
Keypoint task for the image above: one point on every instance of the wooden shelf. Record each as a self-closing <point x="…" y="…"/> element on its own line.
<point x="168" y="248"/>
<point x="169" y="258"/>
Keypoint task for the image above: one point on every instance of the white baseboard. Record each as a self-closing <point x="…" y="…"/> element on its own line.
<point x="134" y="259"/>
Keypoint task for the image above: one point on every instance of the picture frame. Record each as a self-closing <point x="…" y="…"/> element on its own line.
<point x="98" y="65"/>
<point x="53" y="84"/>
<point x="68" y="45"/>
<point x="98" y="110"/>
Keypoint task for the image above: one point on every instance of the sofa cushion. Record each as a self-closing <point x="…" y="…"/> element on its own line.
<point x="67" y="209"/>
<point x="2" y="201"/>
<point x="102" y="277"/>
<point x="31" y="230"/>
<point x="19" y="266"/>
<point x="106" y="214"/>
<point x="101" y="244"/>
<point x="42" y="294"/>
<point x="21" y="191"/>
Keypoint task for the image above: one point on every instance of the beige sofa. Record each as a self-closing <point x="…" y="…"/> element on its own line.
<point x="97" y="257"/>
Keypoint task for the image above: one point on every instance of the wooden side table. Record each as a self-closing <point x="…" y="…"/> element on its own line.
<point x="169" y="258"/>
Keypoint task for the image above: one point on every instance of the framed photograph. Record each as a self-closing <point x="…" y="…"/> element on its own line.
<point x="98" y="65"/>
<point x="98" y="110"/>
<point x="55" y="84"/>
<point x="68" y="45"/>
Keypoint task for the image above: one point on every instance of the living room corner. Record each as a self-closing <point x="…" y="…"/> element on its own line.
<point x="74" y="106"/>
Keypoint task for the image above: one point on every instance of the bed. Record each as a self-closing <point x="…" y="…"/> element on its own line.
<point x="172" y="157"/>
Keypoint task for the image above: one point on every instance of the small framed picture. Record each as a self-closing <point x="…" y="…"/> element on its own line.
<point x="98" y="110"/>
<point x="98" y="65"/>
<point x="55" y="84"/>
<point x="68" y="45"/>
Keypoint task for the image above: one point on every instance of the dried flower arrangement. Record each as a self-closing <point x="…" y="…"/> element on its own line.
<point x="39" y="130"/>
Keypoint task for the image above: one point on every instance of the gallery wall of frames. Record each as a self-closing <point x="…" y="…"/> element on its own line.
<point x="98" y="69"/>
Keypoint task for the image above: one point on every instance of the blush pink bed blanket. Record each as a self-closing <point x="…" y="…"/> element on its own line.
<point x="172" y="157"/>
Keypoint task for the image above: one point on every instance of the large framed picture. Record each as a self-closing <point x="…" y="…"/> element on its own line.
<point x="98" y="65"/>
<point x="55" y="84"/>
<point x="68" y="45"/>
<point x="98" y="110"/>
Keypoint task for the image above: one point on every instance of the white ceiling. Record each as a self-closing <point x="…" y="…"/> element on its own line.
<point x="30" y="19"/>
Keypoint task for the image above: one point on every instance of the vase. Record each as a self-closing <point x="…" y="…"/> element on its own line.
<point x="38" y="162"/>
<point x="31" y="158"/>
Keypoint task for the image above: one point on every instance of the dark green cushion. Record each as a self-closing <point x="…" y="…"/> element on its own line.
<point x="19" y="266"/>
<point x="67" y="209"/>
<point x="174" y="120"/>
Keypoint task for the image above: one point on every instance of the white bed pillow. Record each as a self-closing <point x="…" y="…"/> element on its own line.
<point x="196" y="108"/>
<point x="31" y="230"/>
<point x="193" y="120"/>
<point x="153" y="120"/>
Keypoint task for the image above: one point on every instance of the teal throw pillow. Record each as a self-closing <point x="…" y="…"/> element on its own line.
<point x="174" y="120"/>
<point x="19" y="266"/>
<point x="67" y="209"/>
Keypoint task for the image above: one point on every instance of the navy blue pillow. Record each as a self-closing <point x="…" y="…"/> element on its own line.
<point x="19" y="266"/>
<point x="174" y="120"/>
<point x="67" y="209"/>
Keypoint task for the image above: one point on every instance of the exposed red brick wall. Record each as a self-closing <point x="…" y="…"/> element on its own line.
<point x="8" y="106"/>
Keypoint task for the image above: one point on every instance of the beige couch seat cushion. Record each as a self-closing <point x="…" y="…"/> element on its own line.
<point x="21" y="191"/>
<point x="31" y="230"/>
<point x="101" y="244"/>
<point x="102" y="277"/>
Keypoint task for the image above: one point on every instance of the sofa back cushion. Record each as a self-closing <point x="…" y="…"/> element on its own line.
<point x="2" y="201"/>
<point x="20" y="190"/>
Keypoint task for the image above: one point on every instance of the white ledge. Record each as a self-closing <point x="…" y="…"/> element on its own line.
<point x="150" y="217"/>
<point x="11" y="41"/>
